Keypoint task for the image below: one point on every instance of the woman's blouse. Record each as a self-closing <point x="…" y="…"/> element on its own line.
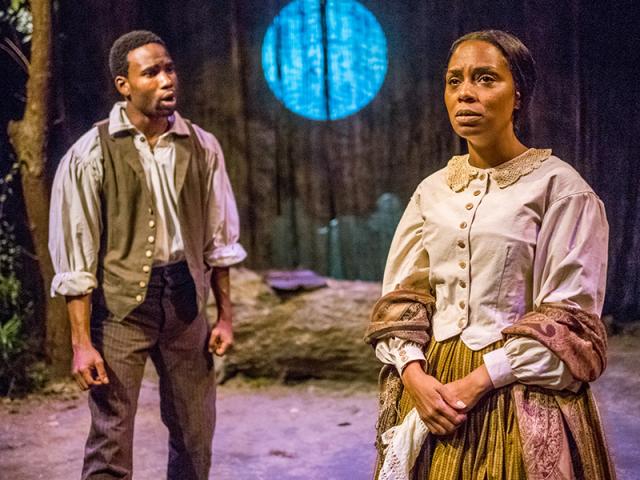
<point x="494" y="244"/>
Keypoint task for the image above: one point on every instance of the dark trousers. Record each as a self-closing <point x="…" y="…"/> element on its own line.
<point x="166" y="327"/>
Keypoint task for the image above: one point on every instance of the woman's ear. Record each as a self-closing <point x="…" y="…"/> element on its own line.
<point x="517" y="103"/>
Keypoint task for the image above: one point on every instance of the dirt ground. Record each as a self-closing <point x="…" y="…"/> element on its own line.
<point x="315" y="430"/>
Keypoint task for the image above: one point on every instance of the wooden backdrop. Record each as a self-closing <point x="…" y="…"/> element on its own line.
<point x="292" y="176"/>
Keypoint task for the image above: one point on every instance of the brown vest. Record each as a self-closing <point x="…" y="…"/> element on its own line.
<point x="129" y="219"/>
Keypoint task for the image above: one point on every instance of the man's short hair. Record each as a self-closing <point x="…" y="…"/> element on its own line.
<point x="118" y="63"/>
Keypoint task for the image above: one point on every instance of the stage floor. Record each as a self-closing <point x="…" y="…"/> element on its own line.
<point x="314" y="430"/>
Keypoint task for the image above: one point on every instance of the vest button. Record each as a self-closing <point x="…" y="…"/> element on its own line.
<point x="151" y="239"/>
<point x="148" y="253"/>
<point x="142" y="284"/>
<point x="138" y="298"/>
<point x="146" y="268"/>
<point x="152" y="224"/>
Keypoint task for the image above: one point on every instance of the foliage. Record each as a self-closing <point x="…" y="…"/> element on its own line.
<point x="19" y="371"/>
<point x="17" y="14"/>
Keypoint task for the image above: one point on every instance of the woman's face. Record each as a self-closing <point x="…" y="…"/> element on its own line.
<point x="479" y="92"/>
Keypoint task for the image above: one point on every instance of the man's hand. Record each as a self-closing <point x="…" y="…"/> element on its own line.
<point x="471" y="388"/>
<point x="221" y="337"/>
<point x="439" y="409"/>
<point x="88" y="367"/>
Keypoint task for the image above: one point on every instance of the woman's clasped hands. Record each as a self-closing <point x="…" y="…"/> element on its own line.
<point x="444" y="407"/>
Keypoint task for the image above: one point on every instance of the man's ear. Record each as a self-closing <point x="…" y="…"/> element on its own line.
<point x="122" y="85"/>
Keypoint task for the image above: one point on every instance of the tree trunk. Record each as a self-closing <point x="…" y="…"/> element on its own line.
<point x="29" y="139"/>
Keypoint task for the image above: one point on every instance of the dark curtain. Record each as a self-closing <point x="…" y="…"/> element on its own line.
<point x="292" y="176"/>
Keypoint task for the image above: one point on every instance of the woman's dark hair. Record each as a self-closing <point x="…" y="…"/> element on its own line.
<point x="118" y="63"/>
<point x="519" y="59"/>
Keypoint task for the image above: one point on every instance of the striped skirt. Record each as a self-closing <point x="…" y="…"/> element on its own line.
<point x="487" y="444"/>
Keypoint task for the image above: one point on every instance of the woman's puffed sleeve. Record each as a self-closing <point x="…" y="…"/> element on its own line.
<point x="398" y="352"/>
<point x="407" y="265"/>
<point x="408" y="261"/>
<point x="570" y="266"/>
<point x="569" y="270"/>
<point x="527" y="361"/>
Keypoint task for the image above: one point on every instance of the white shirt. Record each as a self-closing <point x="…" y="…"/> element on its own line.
<point x="75" y="220"/>
<point x="492" y="245"/>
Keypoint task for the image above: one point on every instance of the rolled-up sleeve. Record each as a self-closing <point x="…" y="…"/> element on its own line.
<point x="75" y="218"/>
<point x="222" y="232"/>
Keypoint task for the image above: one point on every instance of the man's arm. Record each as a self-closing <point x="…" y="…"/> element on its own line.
<point x="222" y="335"/>
<point x="88" y="365"/>
<point x="74" y="240"/>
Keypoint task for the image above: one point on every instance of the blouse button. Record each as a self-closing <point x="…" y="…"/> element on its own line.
<point x="148" y="253"/>
<point x="461" y="322"/>
<point x="463" y="264"/>
<point x="138" y="298"/>
<point x="151" y="239"/>
<point x="463" y="225"/>
<point x="146" y="268"/>
<point x="142" y="284"/>
<point x="469" y="206"/>
<point x="463" y="284"/>
<point x="461" y="244"/>
<point x="483" y="176"/>
<point x="476" y="193"/>
<point x="462" y="304"/>
<point x="152" y="224"/>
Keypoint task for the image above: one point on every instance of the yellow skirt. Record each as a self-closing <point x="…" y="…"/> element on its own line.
<point x="487" y="444"/>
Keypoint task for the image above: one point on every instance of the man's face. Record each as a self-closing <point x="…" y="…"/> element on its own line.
<point x="151" y="85"/>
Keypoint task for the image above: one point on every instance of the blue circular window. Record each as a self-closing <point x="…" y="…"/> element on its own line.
<point x="325" y="59"/>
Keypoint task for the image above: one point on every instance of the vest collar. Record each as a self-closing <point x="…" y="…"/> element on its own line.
<point x="460" y="173"/>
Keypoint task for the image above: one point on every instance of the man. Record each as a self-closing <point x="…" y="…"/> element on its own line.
<point x="142" y="219"/>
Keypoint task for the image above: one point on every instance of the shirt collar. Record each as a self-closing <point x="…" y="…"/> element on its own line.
<point x="460" y="173"/>
<point x="119" y="122"/>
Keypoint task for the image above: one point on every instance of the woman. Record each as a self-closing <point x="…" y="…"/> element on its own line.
<point x="491" y="297"/>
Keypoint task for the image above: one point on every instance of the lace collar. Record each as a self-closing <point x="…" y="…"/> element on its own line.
<point x="460" y="173"/>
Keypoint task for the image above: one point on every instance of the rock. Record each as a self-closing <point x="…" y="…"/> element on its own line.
<point x="315" y="334"/>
